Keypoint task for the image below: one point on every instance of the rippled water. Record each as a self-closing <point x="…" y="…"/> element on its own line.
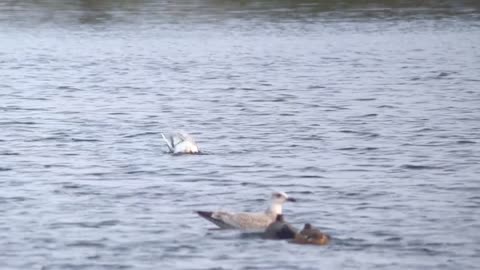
<point x="370" y="119"/>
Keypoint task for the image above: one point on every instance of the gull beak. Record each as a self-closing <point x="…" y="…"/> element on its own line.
<point x="291" y="200"/>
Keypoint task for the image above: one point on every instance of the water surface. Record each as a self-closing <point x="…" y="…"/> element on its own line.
<point x="368" y="114"/>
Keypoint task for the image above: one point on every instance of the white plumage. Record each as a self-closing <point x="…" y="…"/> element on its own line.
<point x="181" y="143"/>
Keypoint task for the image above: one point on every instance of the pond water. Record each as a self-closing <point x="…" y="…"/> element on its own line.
<point x="369" y="115"/>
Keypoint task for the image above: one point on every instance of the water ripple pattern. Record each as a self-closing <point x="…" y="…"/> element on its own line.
<point x="369" y="116"/>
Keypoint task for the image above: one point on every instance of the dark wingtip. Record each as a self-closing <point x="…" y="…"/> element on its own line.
<point x="205" y="214"/>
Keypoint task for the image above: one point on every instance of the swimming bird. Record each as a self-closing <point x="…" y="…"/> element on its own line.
<point x="279" y="229"/>
<point x="248" y="221"/>
<point x="181" y="143"/>
<point x="311" y="235"/>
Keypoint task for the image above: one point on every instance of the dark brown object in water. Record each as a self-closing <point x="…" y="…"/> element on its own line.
<point x="312" y="236"/>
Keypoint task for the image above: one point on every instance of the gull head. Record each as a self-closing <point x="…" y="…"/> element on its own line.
<point x="278" y="198"/>
<point x="281" y="197"/>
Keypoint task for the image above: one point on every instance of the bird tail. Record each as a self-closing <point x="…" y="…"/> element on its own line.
<point x="205" y="214"/>
<point x="209" y="216"/>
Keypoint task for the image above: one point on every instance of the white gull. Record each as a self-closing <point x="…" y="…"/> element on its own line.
<point x="248" y="221"/>
<point x="181" y="143"/>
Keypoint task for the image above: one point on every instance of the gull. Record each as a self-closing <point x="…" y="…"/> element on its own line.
<point x="248" y="221"/>
<point x="181" y="143"/>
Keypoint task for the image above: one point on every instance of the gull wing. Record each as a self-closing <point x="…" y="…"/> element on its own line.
<point x="248" y="221"/>
<point x="215" y="220"/>
<point x="170" y="147"/>
<point x="242" y="221"/>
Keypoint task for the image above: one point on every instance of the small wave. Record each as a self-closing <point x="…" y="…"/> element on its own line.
<point x="55" y="166"/>
<point x="425" y="130"/>
<point x="141" y="134"/>
<point x="304" y="192"/>
<point x="34" y="98"/>
<point x="394" y="239"/>
<point x="45" y="139"/>
<point x="68" y="88"/>
<point x="334" y="108"/>
<point x="365" y="99"/>
<point x="9" y="154"/>
<point x="465" y="142"/>
<point x="84" y="140"/>
<point x="350" y="242"/>
<point x="444" y="74"/>
<point x="86" y="243"/>
<point x="100" y="224"/>
<point x="381" y="233"/>
<point x="312" y="168"/>
<point x="71" y="186"/>
<point x="418" y="167"/>
<point x="95" y="265"/>
<point x="362" y="133"/>
<point x="141" y="172"/>
<point x="18" y="108"/>
<point x="96" y="174"/>
<point x="15" y="199"/>
<point x="316" y="87"/>
<point x="347" y="148"/>
<point x="18" y="123"/>
<point x="310" y="176"/>
<point x="355" y="148"/>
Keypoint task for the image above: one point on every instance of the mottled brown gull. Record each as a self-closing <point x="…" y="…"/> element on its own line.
<point x="248" y="221"/>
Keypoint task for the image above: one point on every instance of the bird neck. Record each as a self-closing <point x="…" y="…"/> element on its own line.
<point x="275" y="208"/>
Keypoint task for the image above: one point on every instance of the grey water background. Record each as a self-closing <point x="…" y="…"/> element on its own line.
<point x="368" y="112"/>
